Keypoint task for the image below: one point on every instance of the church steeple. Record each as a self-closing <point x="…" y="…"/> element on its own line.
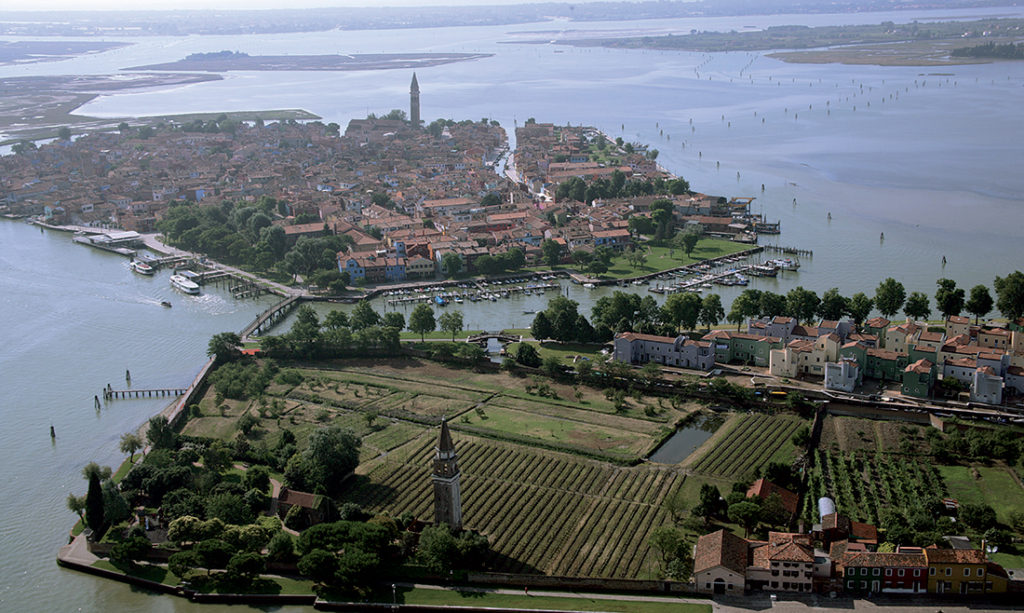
<point x="447" y="496"/>
<point x="414" y="102"/>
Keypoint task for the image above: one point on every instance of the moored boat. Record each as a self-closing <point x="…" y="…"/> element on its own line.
<point x="141" y="267"/>
<point x="182" y="283"/>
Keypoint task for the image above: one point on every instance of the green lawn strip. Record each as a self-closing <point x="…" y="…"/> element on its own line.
<point x="537" y="600"/>
<point x="583" y="415"/>
<point x="995" y="488"/>
<point x="439" y="335"/>
<point x="156" y="574"/>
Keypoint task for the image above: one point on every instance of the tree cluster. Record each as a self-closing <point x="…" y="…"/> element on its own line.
<point x="618" y="186"/>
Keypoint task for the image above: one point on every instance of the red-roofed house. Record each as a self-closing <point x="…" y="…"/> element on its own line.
<point x="762" y="488"/>
<point x="720" y="563"/>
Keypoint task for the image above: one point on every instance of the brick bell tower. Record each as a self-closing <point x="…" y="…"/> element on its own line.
<point x="414" y="102"/>
<point x="447" y="497"/>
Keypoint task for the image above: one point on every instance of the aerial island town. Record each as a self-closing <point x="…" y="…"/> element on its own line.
<point x="784" y="494"/>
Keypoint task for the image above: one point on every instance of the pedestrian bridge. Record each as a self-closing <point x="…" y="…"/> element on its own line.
<point x="502" y="336"/>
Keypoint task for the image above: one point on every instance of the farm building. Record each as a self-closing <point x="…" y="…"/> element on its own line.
<point x="720" y="563"/>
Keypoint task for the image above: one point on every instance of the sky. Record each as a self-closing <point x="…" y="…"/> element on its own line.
<point x="141" y="5"/>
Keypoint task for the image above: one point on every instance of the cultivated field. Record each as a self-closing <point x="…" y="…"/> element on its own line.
<point x="750" y="442"/>
<point x="871" y="435"/>
<point x="863" y="485"/>
<point x="543" y="511"/>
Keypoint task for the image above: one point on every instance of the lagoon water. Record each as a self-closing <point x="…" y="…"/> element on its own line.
<point x="934" y="163"/>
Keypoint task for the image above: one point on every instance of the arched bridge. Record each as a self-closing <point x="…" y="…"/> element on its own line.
<point x="503" y="337"/>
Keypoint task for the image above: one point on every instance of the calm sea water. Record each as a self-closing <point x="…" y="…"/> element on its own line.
<point x="935" y="166"/>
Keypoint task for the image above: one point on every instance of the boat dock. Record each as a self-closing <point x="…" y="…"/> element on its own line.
<point x="112" y="394"/>
<point x="788" y="250"/>
<point x="473" y="291"/>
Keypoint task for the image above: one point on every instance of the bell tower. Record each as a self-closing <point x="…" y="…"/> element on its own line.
<point x="447" y="497"/>
<point x="414" y="102"/>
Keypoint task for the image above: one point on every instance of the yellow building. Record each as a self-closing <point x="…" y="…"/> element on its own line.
<point x="963" y="571"/>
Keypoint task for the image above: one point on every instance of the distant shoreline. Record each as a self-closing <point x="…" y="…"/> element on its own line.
<point x="212" y="62"/>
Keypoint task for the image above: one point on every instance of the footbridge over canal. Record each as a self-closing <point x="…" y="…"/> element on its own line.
<point x="267" y="319"/>
<point x="502" y="336"/>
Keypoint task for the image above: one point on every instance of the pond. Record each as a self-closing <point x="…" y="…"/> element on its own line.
<point x="687" y="438"/>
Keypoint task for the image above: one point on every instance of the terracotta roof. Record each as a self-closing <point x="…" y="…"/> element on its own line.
<point x="885" y="560"/>
<point x="922" y="366"/>
<point x="877" y="322"/>
<point x="636" y="336"/>
<point x="957" y="319"/>
<point x="762" y="488"/>
<point x="954" y="556"/>
<point x="297" y="499"/>
<point x="721" y="548"/>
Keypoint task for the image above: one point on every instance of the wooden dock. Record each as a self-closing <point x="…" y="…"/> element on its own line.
<point x="788" y="250"/>
<point x="112" y="394"/>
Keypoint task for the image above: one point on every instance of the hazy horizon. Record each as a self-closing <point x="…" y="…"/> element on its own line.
<point x="189" y="5"/>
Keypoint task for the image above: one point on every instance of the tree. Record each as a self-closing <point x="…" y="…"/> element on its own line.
<point x="160" y="434"/>
<point x="246" y="566"/>
<point x="916" y="306"/>
<point x="687" y="241"/>
<point x="224" y="347"/>
<point x="979" y="517"/>
<point x="183" y="563"/>
<point x="746" y="305"/>
<point x="76" y="504"/>
<point x="126" y="553"/>
<point x="552" y="251"/>
<point x="319" y="565"/>
<point x="526" y="354"/>
<point x="421" y="320"/>
<point x="541" y="326"/>
<point x="257" y="478"/>
<point x="336" y="319"/>
<point x="93" y="469"/>
<point x="94" y="506"/>
<point x="859" y="307"/>
<point x="949" y="298"/>
<point x="331" y="455"/>
<point x="675" y="504"/>
<point x="597" y="268"/>
<point x="451" y="321"/>
<point x="772" y="304"/>
<point x="581" y="258"/>
<point x="393" y="319"/>
<point x="1010" y="295"/>
<point x="889" y="297"/>
<point x="130" y="443"/>
<point x="711" y="311"/>
<point x="64" y="133"/>
<point x="668" y="541"/>
<point x="681" y="310"/>
<point x="709" y="502"/>
<point x="802" y="304"/>
<point x="833" y="305"/>
<point x="451" y="263"/>
<point x="438" y="548"/>
<point x="980" y="302"/>
<point x="363" y="316"/>
<point x="746" y="514"/>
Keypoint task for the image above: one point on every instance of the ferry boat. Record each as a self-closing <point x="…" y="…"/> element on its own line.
<point x="141" y="267"/>
<point x="182" y="283"/>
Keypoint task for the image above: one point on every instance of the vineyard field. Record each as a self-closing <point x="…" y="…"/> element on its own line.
<point x="751" y="442"/>
<point x="543" y="511"/>
<point x="864" y="485"/>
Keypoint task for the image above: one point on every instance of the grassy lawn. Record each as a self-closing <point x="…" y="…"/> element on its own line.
<point x="994" y="487"/>
<point x="658" y="258"/>
<point x="1008" y="560"/>
<point x="157" y="574"/>
<point x="563" y="351"/>
<point x="439" y="335"/>
<point x="537" y="601"/>
<point x="560" y="430"/>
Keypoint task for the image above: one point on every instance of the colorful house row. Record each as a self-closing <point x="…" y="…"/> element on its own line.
<point x="788" y="562"/>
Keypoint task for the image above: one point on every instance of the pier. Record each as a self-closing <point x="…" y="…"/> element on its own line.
<point x="113" y="394"/>
<point x="788" y="250"/>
